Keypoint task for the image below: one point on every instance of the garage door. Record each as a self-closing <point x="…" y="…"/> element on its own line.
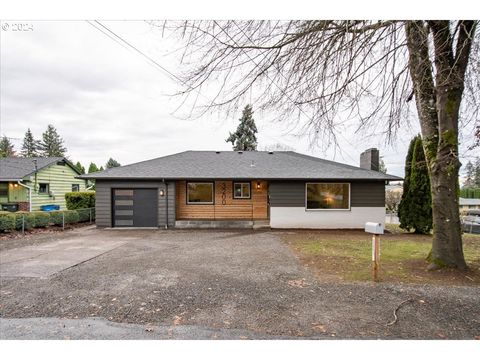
<point x="135" y="207"/>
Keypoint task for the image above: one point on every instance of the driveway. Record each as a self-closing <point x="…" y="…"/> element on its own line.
<point x="206" y="284"/>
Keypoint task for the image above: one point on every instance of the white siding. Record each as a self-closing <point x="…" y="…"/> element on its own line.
<point x="298" y="217"/>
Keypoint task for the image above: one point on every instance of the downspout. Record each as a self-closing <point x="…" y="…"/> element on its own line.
<point x="166" y="203"/>
<point x="19" y="182"/>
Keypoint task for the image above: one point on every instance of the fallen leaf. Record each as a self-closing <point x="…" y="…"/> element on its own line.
<point x="319" y="327"/>
<point x="177" y="320"/>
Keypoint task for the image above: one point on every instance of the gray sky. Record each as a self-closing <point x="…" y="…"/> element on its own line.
<point x="107" y="101"/>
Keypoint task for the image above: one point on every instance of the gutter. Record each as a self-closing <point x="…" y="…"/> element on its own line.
<point x="166" y="203"/>
<point x="19" y="182"/>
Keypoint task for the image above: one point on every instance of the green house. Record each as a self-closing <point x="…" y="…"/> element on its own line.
<point x="33" y="182"/>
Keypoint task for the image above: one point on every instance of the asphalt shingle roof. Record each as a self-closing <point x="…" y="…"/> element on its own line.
<point x="16" y="168"/>
<point x="286" y="165"/>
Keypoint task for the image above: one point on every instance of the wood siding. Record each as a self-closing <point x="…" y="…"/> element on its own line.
<point x="292" y="193"/>
<point x="225" y="206"/>
<point x="103" y="201"/>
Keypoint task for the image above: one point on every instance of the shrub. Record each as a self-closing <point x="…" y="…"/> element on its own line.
<point x="42" y="218"/>
<point x="84" y="214"/>
<point x="28" y="222"/>
<point x="56" y="217"/>
<point x="71" y="216"/>
<point x="7" y="221"/>
<point x="80" y="200"/>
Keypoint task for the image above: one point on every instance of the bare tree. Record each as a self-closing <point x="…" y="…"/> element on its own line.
<point x="392" y="200"/>
<point x="323" y="73"/>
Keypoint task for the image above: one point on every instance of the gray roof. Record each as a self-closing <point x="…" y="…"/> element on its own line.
<point x="17" y="168"/>
<point x="286" y="165"/>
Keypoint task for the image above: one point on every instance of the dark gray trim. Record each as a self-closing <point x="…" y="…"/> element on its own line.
<point x="241" y="182"/>
<point x="292" y="193"/>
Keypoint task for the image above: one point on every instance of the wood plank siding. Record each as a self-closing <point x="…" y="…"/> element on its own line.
<point x="225" y="206"/>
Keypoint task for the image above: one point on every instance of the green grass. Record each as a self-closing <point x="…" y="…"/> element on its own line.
<point x="347" y="255"/>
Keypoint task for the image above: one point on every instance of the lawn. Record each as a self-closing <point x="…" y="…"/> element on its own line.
<point x="346" y="255"/>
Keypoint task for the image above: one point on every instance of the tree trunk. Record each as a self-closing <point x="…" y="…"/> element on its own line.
<point x="438" y="104"/>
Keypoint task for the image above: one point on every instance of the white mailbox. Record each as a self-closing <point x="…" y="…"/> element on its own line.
<point x="374" y="228"/>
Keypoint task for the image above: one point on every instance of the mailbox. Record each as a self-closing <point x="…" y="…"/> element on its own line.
<point x="374" y="228"/>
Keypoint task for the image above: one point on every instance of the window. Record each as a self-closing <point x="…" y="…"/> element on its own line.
<point x="328" y="196"/>
<point x="241" y="190"/>
<point x="3" y="190"/>
<point x="43" y="188"/>
<point x="199" y="193"/>
<point x="75" y="187"/>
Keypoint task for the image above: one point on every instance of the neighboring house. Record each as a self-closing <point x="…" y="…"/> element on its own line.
<point x="468" y="204"/>
<point x="32" y="182"/>
<point x="241" y="188"/>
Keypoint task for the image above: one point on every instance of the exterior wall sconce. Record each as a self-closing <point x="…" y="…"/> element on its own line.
<point x="258" y="185"/>
<point x="162" y="192"/>
<point x="15" y="185"/>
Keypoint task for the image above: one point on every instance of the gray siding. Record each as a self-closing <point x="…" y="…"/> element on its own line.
<point x="103" y="203"/>
<point x="292" y="193"/>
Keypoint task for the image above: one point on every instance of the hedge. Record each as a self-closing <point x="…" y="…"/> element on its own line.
<point x="24" y="219"/>
<point x="80" y="200"/>
<point x="84" y="214"/>
<point x="42" y="218"/>
<point x="7" y="221"/>
<point x="10" y="221"/>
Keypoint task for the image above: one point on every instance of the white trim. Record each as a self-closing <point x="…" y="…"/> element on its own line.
<point x="201" y="203"/>
<point x="333" y="183"/>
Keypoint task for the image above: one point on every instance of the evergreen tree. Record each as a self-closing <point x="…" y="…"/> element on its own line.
<point x="30" y="145"/>
<point x="6" y="148"/>
<point x="470" y="175"/>
<point x="476" y="176"/>
<point x="80" y="168"/>
<point x="101" y="168"/>
<point x="382" y="166"/>
<point x="415" y="208"/>
<point x="111" y="163"/>
<point x="92" y="168"/>
<point x="52" y="143"/>
<point x="244" y="137"/>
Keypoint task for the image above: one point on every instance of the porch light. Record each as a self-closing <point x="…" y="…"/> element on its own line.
<point x="162" y="192"/>
<point x="15" y="185"/>
<point x="258" y="185"/>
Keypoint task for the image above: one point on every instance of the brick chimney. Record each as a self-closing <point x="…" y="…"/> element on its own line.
<point x="370" y="159"/>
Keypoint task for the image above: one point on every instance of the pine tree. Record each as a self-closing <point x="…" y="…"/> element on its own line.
<point x="80" y="168"/>
<point x="470" y="175"/>
<point x="6" y="148"/>
<point x="30" y="145"/>
<point x="415" y="208"/>
<point x="244" y="137"/>
<point x="382" y="166"/>
<point x="92" y="168"/>
<point x="52" y="143"/>
<point x="111" y="163"/>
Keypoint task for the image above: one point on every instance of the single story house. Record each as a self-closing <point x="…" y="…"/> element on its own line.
<point x="281" y="189"/>
<point x="468" y="204"/>
<point x="32" y="182"/>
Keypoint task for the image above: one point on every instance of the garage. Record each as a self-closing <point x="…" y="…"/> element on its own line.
<point x="135" y="207"/>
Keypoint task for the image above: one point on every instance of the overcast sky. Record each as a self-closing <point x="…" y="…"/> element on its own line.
<point x="108" y="101"/>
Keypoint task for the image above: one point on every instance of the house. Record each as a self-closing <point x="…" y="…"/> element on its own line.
<point x="468" y="204"/>
<point x="33" y="182"/>
<point x="241" y="188"/>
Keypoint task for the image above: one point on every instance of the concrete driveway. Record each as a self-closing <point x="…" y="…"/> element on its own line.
<point x="206" y="284"/>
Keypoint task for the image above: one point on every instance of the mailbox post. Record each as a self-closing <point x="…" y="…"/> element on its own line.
<point x="376" y="229"/>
